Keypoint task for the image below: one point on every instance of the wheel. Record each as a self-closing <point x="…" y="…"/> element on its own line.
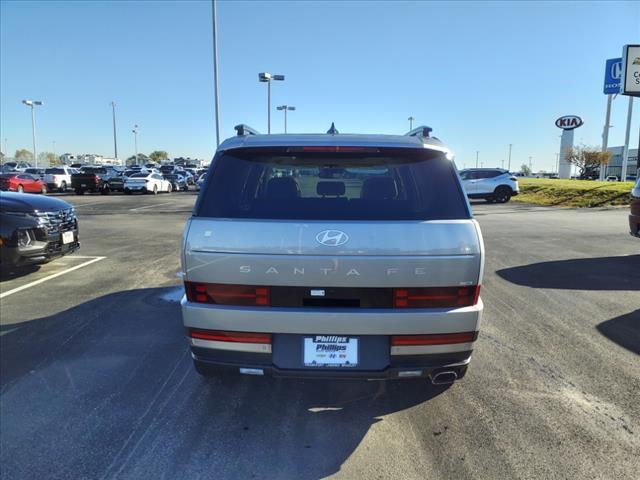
<point x="79" y="191"/>
<point x="104" y="191"/>
<point x="43" y="190"/>
<point x="185" y="188"/>
<point x="127" y="191"/>
<point x="155" y="189"/>
<point x="502" y="194"/>
<point x="20" y="189"/>
<point x="169" y="188"/>
<point x="63" y="187"/>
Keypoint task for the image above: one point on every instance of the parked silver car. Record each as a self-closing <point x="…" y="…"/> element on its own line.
<point x="492" y="184"/>
<point x="333" y="255"/>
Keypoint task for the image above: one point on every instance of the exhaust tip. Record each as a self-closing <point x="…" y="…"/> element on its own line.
<point x="443" y="378"/>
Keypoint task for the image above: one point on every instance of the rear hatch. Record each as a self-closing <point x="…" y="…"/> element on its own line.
<point x="353" y="224"/>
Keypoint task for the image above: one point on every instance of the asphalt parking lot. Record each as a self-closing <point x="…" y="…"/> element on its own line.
<point x="97" y="382"/>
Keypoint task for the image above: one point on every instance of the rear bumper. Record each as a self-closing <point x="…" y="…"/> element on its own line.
<point x="419" y="366"/>
<point x="288" y="326"/>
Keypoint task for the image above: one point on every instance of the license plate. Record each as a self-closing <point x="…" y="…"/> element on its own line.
<point x="67" y="237"/>
<point x="83" y="185"/>
<point x="330" y="351"/>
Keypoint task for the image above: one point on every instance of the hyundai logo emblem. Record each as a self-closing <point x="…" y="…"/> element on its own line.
<point x="332" y="238"/>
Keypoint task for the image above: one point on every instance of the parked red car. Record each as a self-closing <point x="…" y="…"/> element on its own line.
<point x="22" y="183"/>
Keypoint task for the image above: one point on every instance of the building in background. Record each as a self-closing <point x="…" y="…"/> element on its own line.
<point x="96" y="159"/>
<point x="615" y="163"/>
<point x="68" y="158"/>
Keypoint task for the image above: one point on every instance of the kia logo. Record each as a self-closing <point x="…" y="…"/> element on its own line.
<point x="332" y="238"/>
<point x="569" y="122"/>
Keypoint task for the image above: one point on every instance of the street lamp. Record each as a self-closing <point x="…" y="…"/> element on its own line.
<point x="32" y="104"/>
<point x="135" y="140"/>
<point x="115" y="141"/>
<point x="411" y="119"/>
<point x="477" y="154"/>
<point x="285" y="108"/>
<point x="266" y="77"/>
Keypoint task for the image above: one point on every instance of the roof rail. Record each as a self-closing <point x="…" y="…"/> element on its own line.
<point x="243" y="130"/>
<point x="421" y="131"/>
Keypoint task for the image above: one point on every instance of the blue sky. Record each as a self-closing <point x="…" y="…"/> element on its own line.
<point x="482" y="74"/>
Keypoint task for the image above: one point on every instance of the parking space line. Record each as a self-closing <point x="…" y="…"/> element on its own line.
<point x="50" y="277"/>
<point x="150" y="206"/>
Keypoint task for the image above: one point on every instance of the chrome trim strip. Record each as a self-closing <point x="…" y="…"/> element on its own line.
<point x="231" y="346"/>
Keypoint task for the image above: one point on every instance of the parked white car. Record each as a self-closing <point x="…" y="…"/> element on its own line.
<point x="492" y="184"/>
<point x="58" y="178"/>
<point x="146" y="182"/>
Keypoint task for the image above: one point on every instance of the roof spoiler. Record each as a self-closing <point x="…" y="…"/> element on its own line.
<point x="243" y="130"/>
<point x="421" y="131"/>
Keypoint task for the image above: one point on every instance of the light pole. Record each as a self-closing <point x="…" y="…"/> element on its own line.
<point x="267" y="78"/>
<point x="509" y="165"/>
<point x="411" y="119"/>
<point x="477" y="153"/>
<point x="530" y="165"/>
<point x="135" y="140"/>
<point x="285" y="108"/>
<point x="115" y="141"/>
<point x="215" y="68"/>
<point x="32" y="104"/>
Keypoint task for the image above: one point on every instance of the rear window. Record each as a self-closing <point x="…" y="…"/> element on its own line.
<point x="390" y="184"/>
<point x="93" y="170"/>
<point x="139" y="175"/>
<point x="54" y="171"/>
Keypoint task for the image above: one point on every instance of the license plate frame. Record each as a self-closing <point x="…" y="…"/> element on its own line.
<point x="330" y="351"/>
<point x="68" y="237"/>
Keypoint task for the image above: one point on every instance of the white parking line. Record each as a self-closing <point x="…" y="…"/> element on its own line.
<point x="150" y="206"/>
<point x="50" y="277"/>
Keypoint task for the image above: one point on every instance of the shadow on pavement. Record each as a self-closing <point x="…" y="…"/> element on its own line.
<point x="623" y="330"/>
<point x="605" y="273"/>
<point x="107" y="389"/>
<point x="11" y="273"/>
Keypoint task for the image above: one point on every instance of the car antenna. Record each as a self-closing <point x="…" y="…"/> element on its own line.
<point x="333" y="130"/>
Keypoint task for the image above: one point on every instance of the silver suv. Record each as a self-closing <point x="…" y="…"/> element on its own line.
<point x="349" y="256"/>
<point x="492" y="184"/>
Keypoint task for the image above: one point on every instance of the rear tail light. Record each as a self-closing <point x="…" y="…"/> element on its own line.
<point x="436" y="297"/>
<point x="237" y="337"/>
<point x="433" y="339"/>
<point x="222" y="294"/>
<point x="333" y="149"/>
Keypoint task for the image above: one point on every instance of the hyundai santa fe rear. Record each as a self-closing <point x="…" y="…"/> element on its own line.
<point x="347" y="256"/>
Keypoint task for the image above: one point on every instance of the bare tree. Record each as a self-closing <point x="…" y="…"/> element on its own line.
<point x="587" y="159"/>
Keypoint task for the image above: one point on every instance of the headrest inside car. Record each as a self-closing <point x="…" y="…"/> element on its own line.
<point x="379" y="188"/>
<point x="331" y="189"/>
<point x="282" y="188"/>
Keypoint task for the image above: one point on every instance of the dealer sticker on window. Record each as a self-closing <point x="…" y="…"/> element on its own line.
<point x="330" y="351"/>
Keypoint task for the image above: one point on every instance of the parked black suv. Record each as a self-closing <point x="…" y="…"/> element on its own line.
<point x="35" y="229"/>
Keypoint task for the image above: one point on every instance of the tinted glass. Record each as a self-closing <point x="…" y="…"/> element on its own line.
<point x="139" y="175"/>
<point x="394" y="184"/>
<point x="93" y="170"/>
<point x="55" y="171"/>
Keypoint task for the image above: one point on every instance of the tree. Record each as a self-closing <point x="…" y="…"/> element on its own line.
<point x="23" y="155"/>
<point x="48" y="158"/>
<point x="526" y="171"/>
<point x="588" y="159"/>
<point x="142" y="159"/>
<point x="158" y="156"/>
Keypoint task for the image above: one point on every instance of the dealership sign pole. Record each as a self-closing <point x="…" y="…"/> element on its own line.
<point x="568" y="124"/>
<point x="630" y="86"/>
<point x="612" y="76"/>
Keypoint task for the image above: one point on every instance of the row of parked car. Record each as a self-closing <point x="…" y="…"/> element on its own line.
<point x="102" y="179"/>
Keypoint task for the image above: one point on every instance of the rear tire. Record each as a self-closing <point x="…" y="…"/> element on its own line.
<point x="104" y="191"/>
<point x="63" y="187"/>
<point x="155" y="190"/>
<point x="127" y="191"/>
<point x="169" y="188"/>
<point x="502" y="194"/>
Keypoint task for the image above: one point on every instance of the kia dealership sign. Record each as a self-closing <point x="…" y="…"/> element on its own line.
<point x="569" y="122"/>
